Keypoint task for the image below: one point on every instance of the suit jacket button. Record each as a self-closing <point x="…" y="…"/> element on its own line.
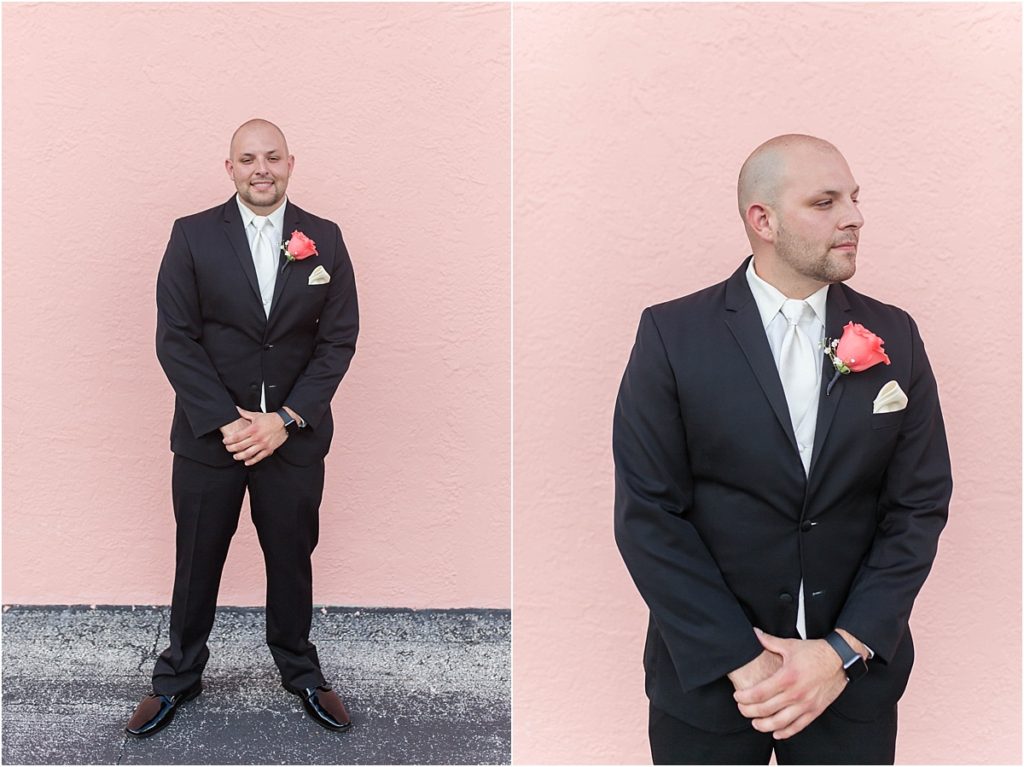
<point x="785" y="597"/>
<point x="253" y="387"/>
<point x="806" y="526"/>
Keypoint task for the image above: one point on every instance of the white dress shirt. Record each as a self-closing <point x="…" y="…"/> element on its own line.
<point x="272" y="231"/>
<point x="769" y="304"/>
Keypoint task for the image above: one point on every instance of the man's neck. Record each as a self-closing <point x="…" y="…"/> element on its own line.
<point x="790" y="285"/>
<point x="261" y="211"/>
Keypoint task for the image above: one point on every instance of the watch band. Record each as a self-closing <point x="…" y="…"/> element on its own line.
<point x="289" y="422"/>
<point x="853" y="664"/>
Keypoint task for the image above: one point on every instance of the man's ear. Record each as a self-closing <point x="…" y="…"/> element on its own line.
<point x="229" y="168"/>
<point x="761" y="221"/>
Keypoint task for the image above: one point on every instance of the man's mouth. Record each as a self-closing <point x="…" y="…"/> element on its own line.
<point x="262" y="185"/>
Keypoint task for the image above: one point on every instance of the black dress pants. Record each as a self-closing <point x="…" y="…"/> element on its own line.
<point x="829" y="739"/>
<point x="285" y="504"/>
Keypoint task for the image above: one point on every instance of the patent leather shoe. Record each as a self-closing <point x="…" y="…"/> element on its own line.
<point x="323" y="706"/>
<point x="156" y="711"/>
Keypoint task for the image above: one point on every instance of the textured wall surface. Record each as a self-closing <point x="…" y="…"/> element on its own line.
<point x="630" y="125"/>
<point x="116" y="122"/>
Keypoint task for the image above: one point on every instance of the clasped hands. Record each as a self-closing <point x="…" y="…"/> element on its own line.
<point x="788" y="685"/>
<point x="254" y="436"/>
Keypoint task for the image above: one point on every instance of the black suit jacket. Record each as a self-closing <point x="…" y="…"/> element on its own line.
<point x="718" y="522"/>
<point x="217" y="345"/>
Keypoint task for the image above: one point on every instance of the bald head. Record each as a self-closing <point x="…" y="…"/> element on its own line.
<point x="764" y="173"/>
<point x="259" y="165"/>
<point x="257" y="127"/>
<point x="798" y="201"/>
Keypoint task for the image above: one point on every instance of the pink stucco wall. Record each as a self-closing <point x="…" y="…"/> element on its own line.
<point x="116" y="121"/>
<point x="630" y="125"/>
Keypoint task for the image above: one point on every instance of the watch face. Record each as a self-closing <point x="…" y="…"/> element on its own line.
<point x="857" y="669"/>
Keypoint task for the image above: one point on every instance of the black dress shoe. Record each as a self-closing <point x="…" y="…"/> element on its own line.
<point x="323" y="706"/>
<point x="156" y="711"/>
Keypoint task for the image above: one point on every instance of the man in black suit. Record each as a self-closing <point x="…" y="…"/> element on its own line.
<point x="779" y="523"/>
<point x="256" y="326"/>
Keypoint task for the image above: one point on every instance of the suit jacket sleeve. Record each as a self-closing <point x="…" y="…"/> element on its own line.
<point x="703" y="625"/>
<point x="913" y="507"/>
<point x="200" y="391"/>
<point x="335" y="343"/>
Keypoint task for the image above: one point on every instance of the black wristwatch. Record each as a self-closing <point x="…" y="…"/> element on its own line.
<point x="854" y="664"/>
<point x="290" y="424"/>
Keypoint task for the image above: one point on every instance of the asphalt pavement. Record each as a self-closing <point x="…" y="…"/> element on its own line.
<point x="423" y="687"/>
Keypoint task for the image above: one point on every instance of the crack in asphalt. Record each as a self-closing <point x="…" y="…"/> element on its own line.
<point x="146" y="656"/>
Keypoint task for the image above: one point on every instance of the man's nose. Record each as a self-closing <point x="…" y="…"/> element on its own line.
<point x="852" y="218"/>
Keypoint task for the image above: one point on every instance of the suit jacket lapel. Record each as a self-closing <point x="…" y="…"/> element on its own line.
<point x="837" y="305"/>
<point x="744" y="321"/>
<point x="285" y="268"/>
<point x="235" y="232"/>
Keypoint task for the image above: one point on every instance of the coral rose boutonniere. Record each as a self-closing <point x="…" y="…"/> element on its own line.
<point x="299" y="247"/>
<point x="857" y="350"/>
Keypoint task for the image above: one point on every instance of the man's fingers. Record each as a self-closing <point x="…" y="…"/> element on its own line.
<point x="773" y="643"/>
<point x="242" y="443"/>
<point x="779" y="720"/>
<point x="257" y="440"/>
<point x="766" y="709"/>
<point x="248" y="451"/>
<point x="241" y="435"/>
<point x="799" y="724"/>
<point x="763" y="691"/>
<point x="257" y="458"/>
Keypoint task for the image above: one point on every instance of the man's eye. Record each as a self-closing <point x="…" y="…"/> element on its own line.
<point x="823" y="203"/>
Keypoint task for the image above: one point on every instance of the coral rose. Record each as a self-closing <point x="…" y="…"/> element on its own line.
<point x="299" y="247"/>
<point x="859" y="348"/>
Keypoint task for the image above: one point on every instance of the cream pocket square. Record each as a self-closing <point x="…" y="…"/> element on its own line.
<point x="319" y="276"/>
<point x="890" y="399"/>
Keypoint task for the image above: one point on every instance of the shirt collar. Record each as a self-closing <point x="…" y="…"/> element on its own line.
<point x="770" y="300"/>
<point x="276" y="218"/>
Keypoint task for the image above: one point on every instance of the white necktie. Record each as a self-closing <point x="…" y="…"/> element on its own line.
<point x="265" y="261"/>
<point x="798" y="368"/>
<point x="798" y="362"/>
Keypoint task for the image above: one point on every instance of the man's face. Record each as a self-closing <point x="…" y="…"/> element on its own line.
<point x="818" y="223"/>
<point x="260" y="166"/>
